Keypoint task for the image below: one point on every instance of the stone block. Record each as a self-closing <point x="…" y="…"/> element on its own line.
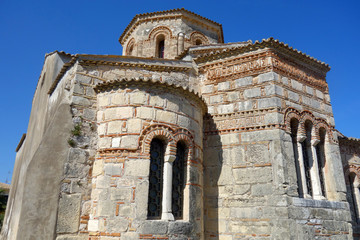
<point x="245" y="105"/>
<point x="139" y="98"/>
<point x="165" y="116"/>
<point x="81" y="101"/>
<point x="243" y="81"/>
<point x="100" y="116"/>
<point x="252" y="175"/>
<point x="207" y="89"/>
<point x="98" y="168"/>
<point x="266" y="77"/>
<point x="261" y="189"/>
<point x="145" y="113"/>
<point x="118" y="113"/>
<point x="296" y="85"/>
<point x="154" y="227"/>
<point x="229" y="139"/>
<point x="293" y="96"/>
<point x="104" y="142"/>
<point x="74" y="237"/>
<point x="93" y="225"/>
<point x="115" y="142"/>
<point x="90" y="92"/>
<point x="82" y="79"/>
<point x="119" y="99"/>
<point x="113" y="169"/>
<point x="309" y="90"/>
<point x="251" y="93"/>
<point x="274" y="89"/>
<point x="233" y="156"/>
<point x="157" y="101"/>
<point x="319" y="94"/>
<point x="68" y="213"/>
<point x="216" y="99"/>
<point x="129" y="141"/>
<point x="77" y="155"/>
<point x="233" y="96"/>
<point x="134" y="125"/>
<point x="172" y="105"/>
<point x="114" y="127"/>
<point x="183" y="121"/>
<point x="117" y="225"/>
<point x="285" y="80"/>
<point x="89" y="114"/>
<point x="257" y="153"/>
<point x="141" y="190"/>
<point x="223" y="86"/>
<point x="223" y="109"/>
<point x="269" y="102"/>
<point x="178" y="227"/>
<point x="102" y="181"/>
<point x="226" y="177"/>
<point x="130" y="236"/>
<point x="124" y="194"/>
<point x="105" y="208"/>
<point x="137" y="168"/>
<point x="78" y="88"/>
<point x="247" y="212"/>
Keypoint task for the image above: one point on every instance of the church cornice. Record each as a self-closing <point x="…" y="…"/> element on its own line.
<point x="266" y="43"/>
<point x="149" y="82"/>
<point x="167" y="14"/>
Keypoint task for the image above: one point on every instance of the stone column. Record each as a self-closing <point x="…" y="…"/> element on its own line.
<point x="180" y="43"/>
<point x="302" y="184"/>
<point x="167" y="188"/>
<point x="356" y="196"/>
<point x="314" y="171"/>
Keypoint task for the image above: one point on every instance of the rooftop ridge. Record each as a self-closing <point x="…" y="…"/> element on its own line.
<point x="137" y="16"/>
<point x="269" y="42"/>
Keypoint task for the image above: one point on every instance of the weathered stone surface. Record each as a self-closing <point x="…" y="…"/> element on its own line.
<point x="68" y="213"/>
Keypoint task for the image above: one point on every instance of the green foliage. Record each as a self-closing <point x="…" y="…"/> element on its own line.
<point x="77" y="130"/>
<point x="71" y="142"/>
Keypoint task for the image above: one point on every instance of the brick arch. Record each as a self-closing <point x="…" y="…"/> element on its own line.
<point x="351" y="169"/>
<point x="129" y="45"/>
<point x="160" y="131"/>
<point x="290" y="113"/>
<point x="306" y="115"/>
<point x="321" y="123"/>
<point x="198" y="36"/>
<point x="185" y="136"/>
<point x="160" y="30"/>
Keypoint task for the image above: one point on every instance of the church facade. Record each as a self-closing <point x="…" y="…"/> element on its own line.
<point x="184" y="137"/>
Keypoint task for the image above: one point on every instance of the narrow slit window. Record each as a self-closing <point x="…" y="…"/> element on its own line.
<point x="178" y="180"/>
<point x="320" y="151"/>
<point x="306" y="149"/>
<point x="155" y="178"/>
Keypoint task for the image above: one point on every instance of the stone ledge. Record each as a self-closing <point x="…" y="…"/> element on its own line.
<point x="301" y="202"/>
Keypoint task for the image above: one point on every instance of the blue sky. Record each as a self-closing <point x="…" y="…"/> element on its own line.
<point x="327" y="30"/>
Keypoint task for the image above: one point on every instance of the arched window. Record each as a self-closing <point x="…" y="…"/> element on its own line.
<point x="178" y="180"/>
<point x="160" y="46"/>
<point x="294" y="123"/>
<point x="198" y="42"/>
<point x="354" y="204"/>
<point x="157" y="150"/>
<point x="320" y="150"/>
<point x="307" y="155"/>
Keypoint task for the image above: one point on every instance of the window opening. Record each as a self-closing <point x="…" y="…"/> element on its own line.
<point x="198" y="42"/>
<point x="294" y="128"/>
<point x="306" y="149"/>
<point x="178" y="180"/>
<point x="160" y="46"/>
<point x="353" y="203"/>
<point x="155" y="179"/>
<point x="320" y="151"/>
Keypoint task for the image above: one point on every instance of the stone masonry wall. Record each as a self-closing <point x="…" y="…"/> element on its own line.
<point x="249" y="167"/>
<point x="127" y="115"/>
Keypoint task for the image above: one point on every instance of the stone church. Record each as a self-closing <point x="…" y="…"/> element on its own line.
<point x="184" y="136"/>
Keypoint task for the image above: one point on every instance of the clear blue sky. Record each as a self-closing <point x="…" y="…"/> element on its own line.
<point x="327" y="30"/>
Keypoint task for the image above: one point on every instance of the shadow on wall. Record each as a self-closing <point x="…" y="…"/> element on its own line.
<point x="213" y="164"/>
